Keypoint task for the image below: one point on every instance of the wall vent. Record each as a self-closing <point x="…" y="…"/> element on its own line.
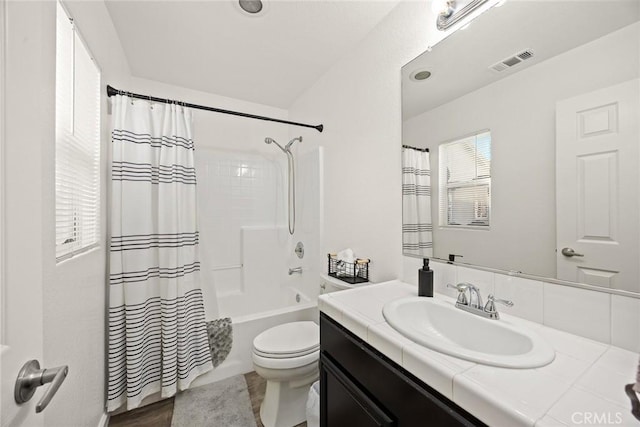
<point x="512" y="60"/>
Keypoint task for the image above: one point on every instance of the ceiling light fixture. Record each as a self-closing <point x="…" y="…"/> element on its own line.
<point x="454" y="11"/>
<point x="251" y="6"/>
<point x="420" y="75"/>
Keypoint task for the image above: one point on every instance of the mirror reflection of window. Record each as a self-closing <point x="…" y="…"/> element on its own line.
<point x="465" y="181"/>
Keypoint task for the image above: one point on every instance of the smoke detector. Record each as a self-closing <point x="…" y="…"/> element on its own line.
<point x="512" y="61"/>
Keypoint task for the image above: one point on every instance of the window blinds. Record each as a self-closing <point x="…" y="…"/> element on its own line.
<point x="77" y="153"/>
<point x="465" y="181"/>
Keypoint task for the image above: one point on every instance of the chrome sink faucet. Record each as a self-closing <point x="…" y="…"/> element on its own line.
<point x="474" y="303"/>
<point x="475" y="299"/>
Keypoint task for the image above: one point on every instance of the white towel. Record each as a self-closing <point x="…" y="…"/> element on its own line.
<point x="346" y="255"/>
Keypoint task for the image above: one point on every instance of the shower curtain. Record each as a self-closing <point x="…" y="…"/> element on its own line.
<point x="416" y="203"/>
<point x="157" y="333"/>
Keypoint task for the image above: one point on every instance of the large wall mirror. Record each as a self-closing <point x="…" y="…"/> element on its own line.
<point x="521" y="143"/>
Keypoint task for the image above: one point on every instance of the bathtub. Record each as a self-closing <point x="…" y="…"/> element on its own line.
<point x="294" y="306"/>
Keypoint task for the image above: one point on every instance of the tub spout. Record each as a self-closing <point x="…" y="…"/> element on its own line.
<point x="295" y="270"/>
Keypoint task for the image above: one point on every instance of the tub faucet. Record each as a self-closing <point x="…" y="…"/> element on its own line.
<point x="295" y="270"/>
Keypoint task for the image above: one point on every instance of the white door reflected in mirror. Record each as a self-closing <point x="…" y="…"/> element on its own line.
<point x="597" y="187"/>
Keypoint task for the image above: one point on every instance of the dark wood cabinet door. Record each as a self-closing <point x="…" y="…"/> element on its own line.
<point x="345" y="404"/>
<point x="362" y="387"/>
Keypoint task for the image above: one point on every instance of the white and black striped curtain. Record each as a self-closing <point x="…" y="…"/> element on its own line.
<point x="416" y="203"/>
<point x="157" y="333"/>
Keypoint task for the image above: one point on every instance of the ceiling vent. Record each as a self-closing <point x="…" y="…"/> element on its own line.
<point x="512" y="60"/>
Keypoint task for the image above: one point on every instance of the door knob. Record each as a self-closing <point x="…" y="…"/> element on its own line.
<point x="31" y="377"/>
<point x="569" y="252"/>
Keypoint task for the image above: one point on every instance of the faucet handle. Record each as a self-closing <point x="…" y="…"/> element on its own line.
<point x="490" y="306"/>
<point x="462" y="289"/>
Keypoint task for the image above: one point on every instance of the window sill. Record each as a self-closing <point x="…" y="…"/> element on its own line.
<point x="77" y="254"/>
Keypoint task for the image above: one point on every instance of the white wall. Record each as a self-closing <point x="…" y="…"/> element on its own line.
<point x="358" y="101"/>
<point x="74" y="291"/>
<point x="214" y="130"/>
<point x="523" y="216"/>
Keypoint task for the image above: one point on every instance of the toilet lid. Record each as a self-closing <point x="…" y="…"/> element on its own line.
<point x="295" y="338"/>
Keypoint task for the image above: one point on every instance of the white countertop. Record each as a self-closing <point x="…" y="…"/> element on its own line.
<point x="584" y="385"/>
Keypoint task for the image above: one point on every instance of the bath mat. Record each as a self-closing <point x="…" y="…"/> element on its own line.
<point x="224" y="403"/>
<point x="220" y="334"/>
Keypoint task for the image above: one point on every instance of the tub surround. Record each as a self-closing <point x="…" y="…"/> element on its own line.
<point x="586" y="378"/>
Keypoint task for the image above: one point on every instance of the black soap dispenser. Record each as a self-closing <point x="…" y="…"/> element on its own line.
<point x="425" y="280"/>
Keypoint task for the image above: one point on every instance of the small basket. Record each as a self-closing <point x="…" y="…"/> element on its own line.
<point x="350" y="272"/>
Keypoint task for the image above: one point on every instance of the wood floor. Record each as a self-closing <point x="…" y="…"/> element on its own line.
<point x="159" y="414"/>
<point x="154" y="415"/>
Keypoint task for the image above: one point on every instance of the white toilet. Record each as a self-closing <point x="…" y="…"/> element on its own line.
<point x="287" y="357"/>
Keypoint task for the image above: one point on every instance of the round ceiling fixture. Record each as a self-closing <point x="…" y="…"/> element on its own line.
<point x="251" y="6"/>
<point x="420" y="75"/>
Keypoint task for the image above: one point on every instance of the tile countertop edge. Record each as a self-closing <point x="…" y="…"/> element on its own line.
<point x="474" y="387"/>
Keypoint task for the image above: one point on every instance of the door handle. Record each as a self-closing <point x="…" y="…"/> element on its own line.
<point x="569" y="252"/>
<point x="31" y="377"/>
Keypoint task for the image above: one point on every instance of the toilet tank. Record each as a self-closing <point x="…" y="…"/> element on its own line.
<point x="330" y="284"/>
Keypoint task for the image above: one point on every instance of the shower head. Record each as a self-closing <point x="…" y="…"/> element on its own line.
<point x="268" y="140"/>
<point x="292" y="179"/>
<point x="299" y="139"/>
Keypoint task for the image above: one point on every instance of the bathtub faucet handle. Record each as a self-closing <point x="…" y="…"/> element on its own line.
<point x="295" y="270"/>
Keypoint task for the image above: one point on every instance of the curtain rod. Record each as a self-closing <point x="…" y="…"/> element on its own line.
<point x="424" y="150"/>
<point x="111" y="91"/>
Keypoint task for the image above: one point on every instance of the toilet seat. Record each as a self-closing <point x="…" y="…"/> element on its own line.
<point x="287" y="346"/>
<point x="286" y="363"/>
<point x="285" y="355"/>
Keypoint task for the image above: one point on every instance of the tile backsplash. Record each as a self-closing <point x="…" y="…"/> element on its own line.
<point x="610" y="319"/>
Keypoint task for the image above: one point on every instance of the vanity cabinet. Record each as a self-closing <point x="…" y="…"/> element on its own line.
<point x="360" y="387"/>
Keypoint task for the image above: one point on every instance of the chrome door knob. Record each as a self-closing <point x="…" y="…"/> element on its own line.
<point x="31" y="377"/>
<point x="569" y="252"/>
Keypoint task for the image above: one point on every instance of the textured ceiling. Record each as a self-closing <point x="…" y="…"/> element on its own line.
<point x="212" y="46"/>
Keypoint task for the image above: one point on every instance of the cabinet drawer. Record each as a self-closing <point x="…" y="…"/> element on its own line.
<point x="405" y="398"/>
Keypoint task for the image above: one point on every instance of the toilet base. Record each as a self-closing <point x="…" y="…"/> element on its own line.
<point x="285" y="402"/>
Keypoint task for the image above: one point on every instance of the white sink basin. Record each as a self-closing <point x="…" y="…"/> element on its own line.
<point x="439" y="325"/>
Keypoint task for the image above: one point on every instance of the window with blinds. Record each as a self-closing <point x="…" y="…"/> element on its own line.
<point x="77" y="152"/>
<point x="465" y="181"/>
